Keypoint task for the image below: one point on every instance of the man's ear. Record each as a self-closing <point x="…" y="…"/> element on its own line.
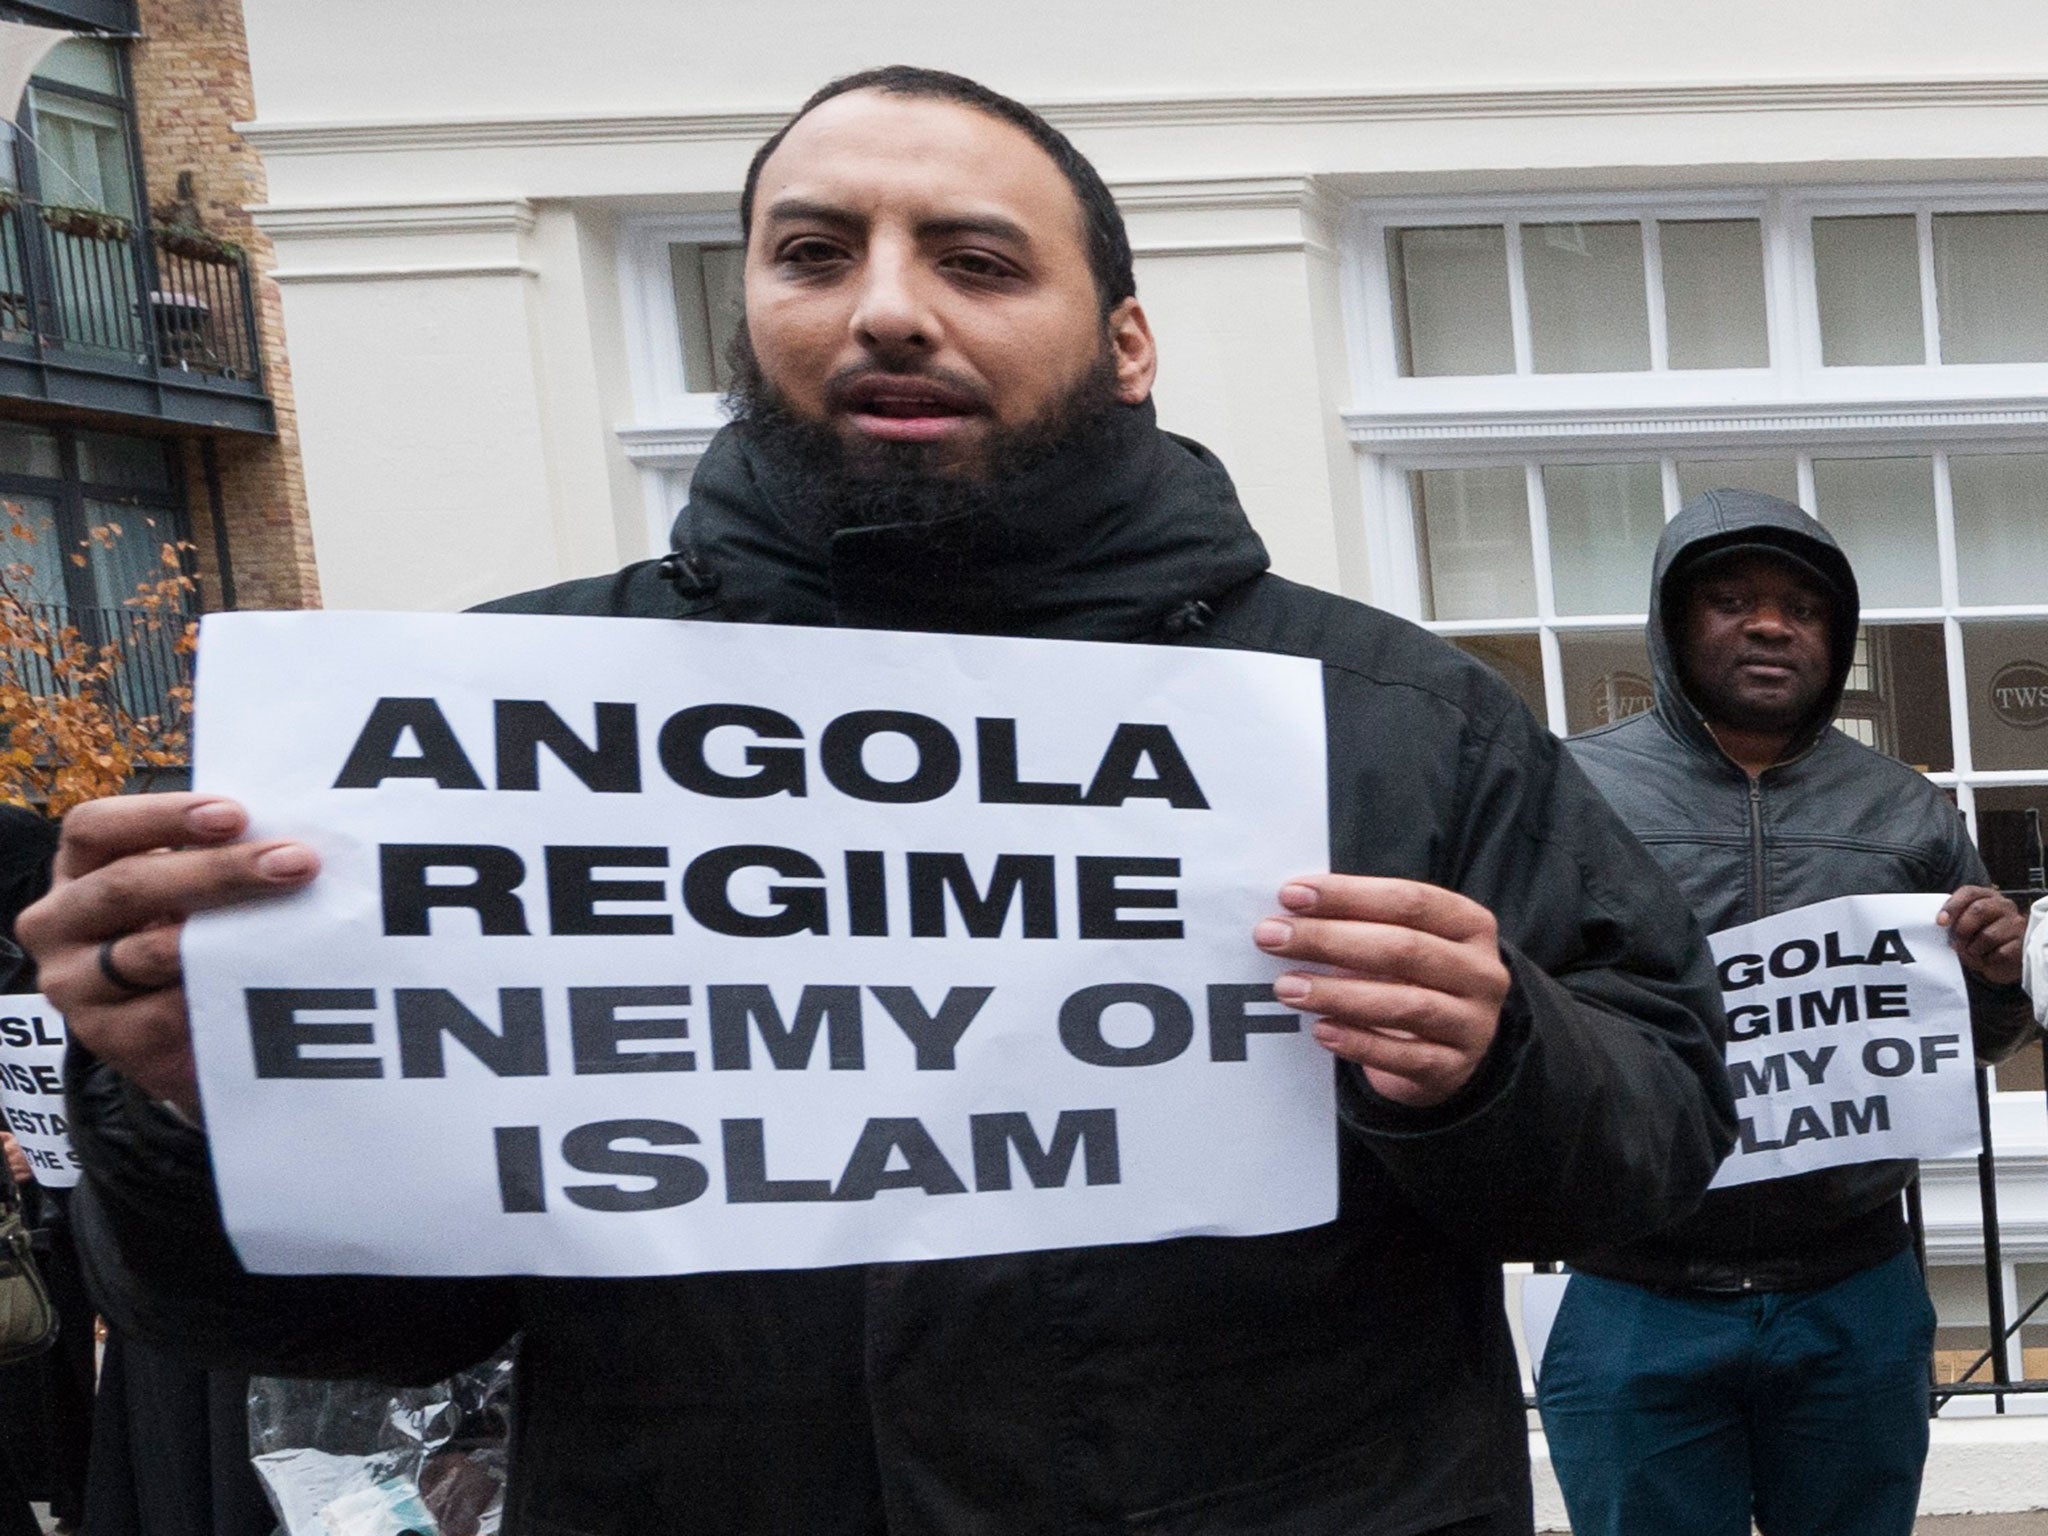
<point x="1137" y="358"/>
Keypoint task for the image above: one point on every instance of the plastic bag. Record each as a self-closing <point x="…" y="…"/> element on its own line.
<point x="349" y="1458"/>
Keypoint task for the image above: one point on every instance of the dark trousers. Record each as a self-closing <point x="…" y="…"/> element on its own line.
<point x="170" y="1450"/>
<point x="1691" y="1415"/>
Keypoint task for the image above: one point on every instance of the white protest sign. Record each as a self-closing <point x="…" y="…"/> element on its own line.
<point x="651" y="947"/>
<point x="1848" y="1037"/>
<point x="32" y="1086"/>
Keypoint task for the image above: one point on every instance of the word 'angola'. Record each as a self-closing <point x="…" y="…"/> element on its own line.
<point x="1140" y="761"/>
<point x="1819" y="1006"/>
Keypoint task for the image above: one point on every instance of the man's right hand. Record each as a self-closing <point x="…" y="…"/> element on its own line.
<point x="129" y="871"/>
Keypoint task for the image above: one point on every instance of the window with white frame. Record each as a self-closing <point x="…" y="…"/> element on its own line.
<point x="1542" y="384"/>
<point x="679" y="279"/>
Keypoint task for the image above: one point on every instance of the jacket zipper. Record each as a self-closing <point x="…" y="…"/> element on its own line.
<point x="1756" y="848"/>
<point x="1756" y="906"/>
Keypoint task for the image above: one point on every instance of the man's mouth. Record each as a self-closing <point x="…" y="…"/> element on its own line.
<point x="906" y="408"/>
<point x="1767" y="667"/>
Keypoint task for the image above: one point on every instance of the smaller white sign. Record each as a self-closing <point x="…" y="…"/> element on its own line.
<point x="32" y="1086"/>
<point x="1848" y="1037"/>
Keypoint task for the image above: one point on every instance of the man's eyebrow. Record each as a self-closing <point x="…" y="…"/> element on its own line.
<point x="992" y="225"/>
<point x="797" y="209"/>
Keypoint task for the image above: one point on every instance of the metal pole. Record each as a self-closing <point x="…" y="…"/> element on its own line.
<point x="216" y="511"/>
<point x="1994" y="1256"/>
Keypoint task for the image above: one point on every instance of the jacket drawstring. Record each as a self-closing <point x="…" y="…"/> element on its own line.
<point x="690" y="576"/>
<point x="1187" y="618"/>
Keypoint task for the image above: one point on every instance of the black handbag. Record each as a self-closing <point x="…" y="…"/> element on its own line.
<point x="28" y="1323"/>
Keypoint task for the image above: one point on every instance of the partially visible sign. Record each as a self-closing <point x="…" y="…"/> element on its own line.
<point x="1848" y="1037"/>
<point x="2019" y="695"/>
<point x="32" y="1086"/>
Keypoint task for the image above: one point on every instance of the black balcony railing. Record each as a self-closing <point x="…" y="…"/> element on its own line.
<point x="149" y="664"/>
<point x="100" y="287"/>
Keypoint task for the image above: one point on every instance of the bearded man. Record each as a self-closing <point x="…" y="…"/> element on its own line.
<point x="944" y="423"/>
<point x="1766" y="1358"/>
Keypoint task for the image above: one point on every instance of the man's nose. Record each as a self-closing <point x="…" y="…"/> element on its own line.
<point x="1769" y="621"/>
<point x="891" y="313"/>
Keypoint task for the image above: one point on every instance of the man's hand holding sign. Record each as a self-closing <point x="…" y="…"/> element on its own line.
<point x="1415" y="986"/>
<point x="129" y="872"/>
<point x="1985" y="929"/>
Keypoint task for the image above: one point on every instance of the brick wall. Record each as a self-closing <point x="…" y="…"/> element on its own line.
<point x="191" y="87"/>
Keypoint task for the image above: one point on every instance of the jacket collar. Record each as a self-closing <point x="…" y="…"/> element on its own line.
<point x="1105" y="544"/>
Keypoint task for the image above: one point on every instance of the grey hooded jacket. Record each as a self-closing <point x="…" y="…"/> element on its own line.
<point x="1833" y="819"/>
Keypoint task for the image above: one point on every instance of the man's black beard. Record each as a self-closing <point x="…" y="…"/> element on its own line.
<point x="835" y="485"/>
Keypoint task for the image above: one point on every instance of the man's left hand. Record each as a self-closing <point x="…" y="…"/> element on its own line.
<point x="1418" y="986"/>
<point x="1986" y="931"/>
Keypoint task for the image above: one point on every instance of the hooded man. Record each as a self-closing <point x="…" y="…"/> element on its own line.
<point x="945" y="424"/>
<point x="1766" y="1357"/>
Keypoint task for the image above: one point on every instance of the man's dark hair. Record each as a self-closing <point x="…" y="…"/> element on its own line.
<point x="1109" y="247"/>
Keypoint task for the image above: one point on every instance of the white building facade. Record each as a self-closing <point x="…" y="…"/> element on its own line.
<point x="1469" y="298"/>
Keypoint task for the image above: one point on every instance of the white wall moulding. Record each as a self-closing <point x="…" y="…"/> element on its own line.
<point x="378" y="220"/>
<point x="1393" y="433"/>
<point x="1221" y="192"/>
<point x="665" y="447"/>
<point x="288" y="275"/>
<point x="399" y="242"/>
<point x="400" y="136"/>
<point x="2019" y="1131"/>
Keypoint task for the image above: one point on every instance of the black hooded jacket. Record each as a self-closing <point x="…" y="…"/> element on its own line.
<point x="1833" y="819"/>
<point x="1354" y="1378"/>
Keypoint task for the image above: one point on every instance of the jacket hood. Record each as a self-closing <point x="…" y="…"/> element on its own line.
<point x="1716" y="521"/>
<point x="1104" y="542"/>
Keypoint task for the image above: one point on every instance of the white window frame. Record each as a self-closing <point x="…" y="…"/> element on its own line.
<point x="1795" y="408"/>
<point x="671" y="426"/>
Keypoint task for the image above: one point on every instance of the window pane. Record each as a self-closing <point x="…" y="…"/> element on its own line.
<point x="1472" y="526"/>
<point x="138" y="463"/>
<point x="1517" y="658"/>
<point x="1896" y="700"/>
<point x="2005" y="668"/>
<point x="1605" y="520"/>
<point x="26" y="451"/>
<point x="2008" y="838"/>
<point x="35" y="569"/>
<point x="1774" y="477"/>
<point x="1606" y="676"/>
<point x="133" y="556"/>
<point x="1881" y="511"/>
<point x="1587" y="309"/>
<point x="708" y="310"/>
<point x="1450" y="291"/>
<point x="83" y="61"/>
<point x="83" y="154"/>
<point x="1866" y="275"/>
<point x="2001" y="507"/>
<point x="1991" y="286"/>
<point x="1714" y="293"/>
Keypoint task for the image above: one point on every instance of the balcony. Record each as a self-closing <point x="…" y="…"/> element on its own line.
<point x="103" y="314"/>
<point x="150" y="665"/>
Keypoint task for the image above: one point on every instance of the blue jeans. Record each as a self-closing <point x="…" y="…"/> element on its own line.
<point x="1689" y="1415"/>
